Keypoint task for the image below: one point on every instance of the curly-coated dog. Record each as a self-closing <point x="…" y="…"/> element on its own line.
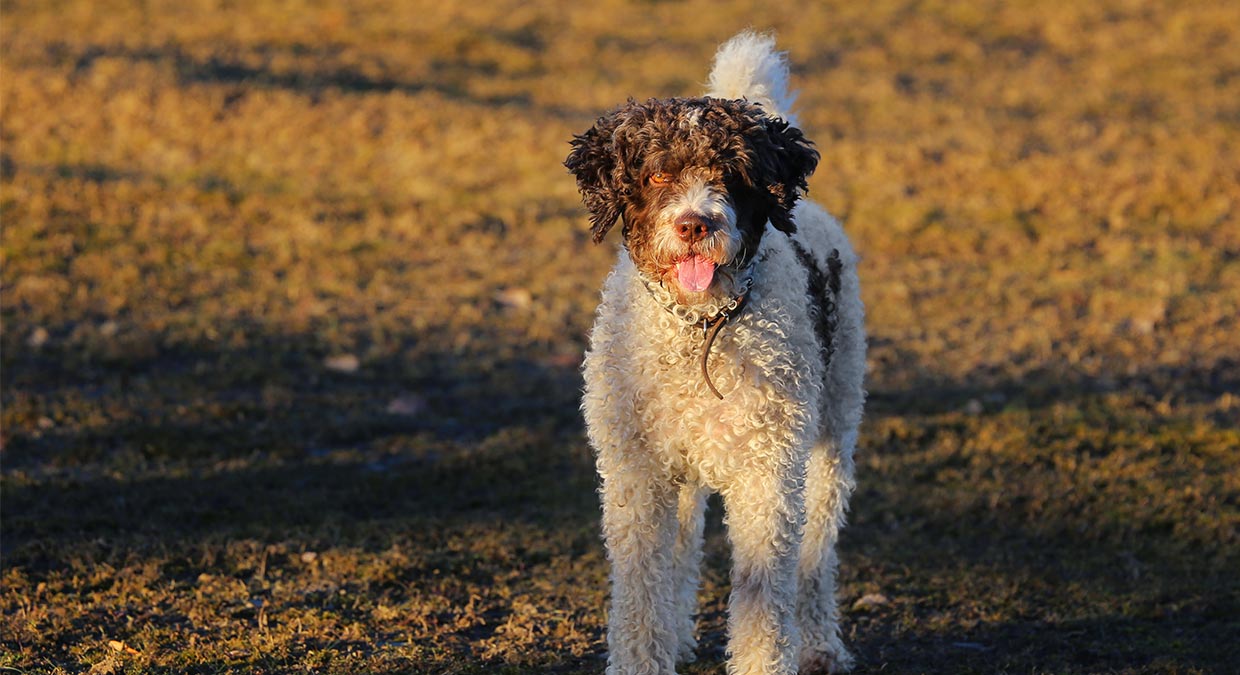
<point x="728" y="355"/>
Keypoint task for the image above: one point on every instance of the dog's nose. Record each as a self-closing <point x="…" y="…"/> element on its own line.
<point x="692" y="228"/>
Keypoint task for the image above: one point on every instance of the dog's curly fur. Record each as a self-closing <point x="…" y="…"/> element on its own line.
<point x="707" y="190"/>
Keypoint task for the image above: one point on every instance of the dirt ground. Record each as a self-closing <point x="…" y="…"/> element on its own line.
<point x="294" y="295"/>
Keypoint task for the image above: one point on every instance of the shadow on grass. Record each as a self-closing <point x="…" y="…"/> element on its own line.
<point x="202" y="446"/>
<point x="1070" y="604"/>
<point x="254" y="66"/>
<point x="935" y="393"/>
<point x="191" y="457"/>
<point x="194" y="442"/>
<point x="1197" y="639"/>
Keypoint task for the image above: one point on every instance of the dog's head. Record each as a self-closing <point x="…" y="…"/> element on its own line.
<point x="695" y="181"/>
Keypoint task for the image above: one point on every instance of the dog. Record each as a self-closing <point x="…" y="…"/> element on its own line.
<point x="728" y="355"/>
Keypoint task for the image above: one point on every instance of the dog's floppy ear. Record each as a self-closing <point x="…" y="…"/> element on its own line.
<point x="783" y="158"/>
<point x="597" y="163"/>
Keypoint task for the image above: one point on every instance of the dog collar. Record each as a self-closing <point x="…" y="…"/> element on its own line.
<point x="711" y="323"/>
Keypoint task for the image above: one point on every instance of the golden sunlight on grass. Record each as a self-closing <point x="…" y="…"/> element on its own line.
<point x="293" y="298"/>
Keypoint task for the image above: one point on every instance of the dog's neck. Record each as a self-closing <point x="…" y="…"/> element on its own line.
<point x="718" y="304"/>
<point x="711" y="315"/>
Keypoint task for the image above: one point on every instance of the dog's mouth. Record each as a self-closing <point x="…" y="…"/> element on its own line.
<point x="695" y="272"/>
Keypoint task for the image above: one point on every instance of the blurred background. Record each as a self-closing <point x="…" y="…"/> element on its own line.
<point x="294" y="296"/>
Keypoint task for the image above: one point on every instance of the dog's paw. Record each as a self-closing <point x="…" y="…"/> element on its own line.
<point x="834" y="658"/>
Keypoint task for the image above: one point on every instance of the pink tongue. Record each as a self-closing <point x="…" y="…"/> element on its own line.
<point x="695" y="273"/>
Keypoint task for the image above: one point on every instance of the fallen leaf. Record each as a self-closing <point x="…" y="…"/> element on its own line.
<point x="516" y="298"/>
<point x="869" y="601"/>
<point x="342" y="363"/>
<point x="118" y="646"/>
<point x="37" y="338"/>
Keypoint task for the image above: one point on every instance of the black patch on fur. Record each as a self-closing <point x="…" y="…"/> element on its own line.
<point x="763" y="162"/>
<point x="823" y="291"/>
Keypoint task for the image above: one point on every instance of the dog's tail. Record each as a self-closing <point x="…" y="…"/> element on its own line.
<point x="747" y="66"/>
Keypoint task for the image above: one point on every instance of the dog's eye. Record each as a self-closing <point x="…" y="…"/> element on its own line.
<point x="660" y="178"/>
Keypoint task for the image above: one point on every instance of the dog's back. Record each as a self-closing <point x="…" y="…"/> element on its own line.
<point x="749" y="66"/>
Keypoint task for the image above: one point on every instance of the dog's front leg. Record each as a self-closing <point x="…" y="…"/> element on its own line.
<point x="765" y="519"/>
<point x="639" y="526"/>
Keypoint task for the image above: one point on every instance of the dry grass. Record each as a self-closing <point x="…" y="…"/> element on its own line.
<point x="293" y="299"/>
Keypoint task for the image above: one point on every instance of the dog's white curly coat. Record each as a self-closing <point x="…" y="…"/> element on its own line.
<point x="778" y="447"/>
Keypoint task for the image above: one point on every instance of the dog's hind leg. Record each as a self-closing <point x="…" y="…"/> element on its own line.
<point x="688" y="567"/>
<point x="828" y="484"/>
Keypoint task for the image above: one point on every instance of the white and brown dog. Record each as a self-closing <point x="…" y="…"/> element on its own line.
<point x="728" y="355"/>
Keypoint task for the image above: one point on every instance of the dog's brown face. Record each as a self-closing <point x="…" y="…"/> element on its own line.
<point x="695" y="181"/>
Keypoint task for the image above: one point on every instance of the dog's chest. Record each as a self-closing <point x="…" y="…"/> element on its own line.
<point x="763" y="379"/>
<point x="645" y="391"/>
<point x="681" y="418"/>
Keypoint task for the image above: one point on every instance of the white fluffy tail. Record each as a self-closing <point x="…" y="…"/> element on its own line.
<point x="747" y="66"/>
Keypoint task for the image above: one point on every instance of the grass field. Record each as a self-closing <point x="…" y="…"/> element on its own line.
<point x="295" y="294"/>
